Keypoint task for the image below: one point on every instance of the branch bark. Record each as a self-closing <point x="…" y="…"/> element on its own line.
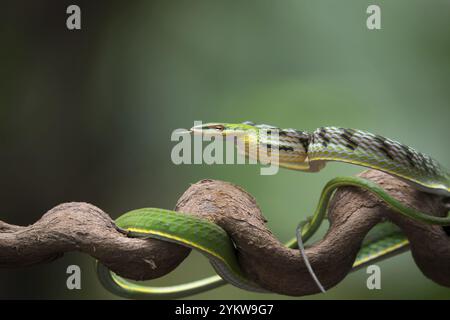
<point x="353" y="212"/>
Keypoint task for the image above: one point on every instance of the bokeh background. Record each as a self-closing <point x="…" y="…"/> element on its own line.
<point x="87" y="115"/>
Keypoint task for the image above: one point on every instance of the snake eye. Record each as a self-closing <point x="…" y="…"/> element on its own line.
<point x="218" y="127"/>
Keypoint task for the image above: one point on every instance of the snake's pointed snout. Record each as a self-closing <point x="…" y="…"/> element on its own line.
<point x="209" y="129"/>
<point x="180" y="132"/>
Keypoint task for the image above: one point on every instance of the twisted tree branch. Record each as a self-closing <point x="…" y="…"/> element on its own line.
<point x="353" y="212"/>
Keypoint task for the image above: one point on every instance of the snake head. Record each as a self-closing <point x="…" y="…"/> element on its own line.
<point x="244" y="129"/>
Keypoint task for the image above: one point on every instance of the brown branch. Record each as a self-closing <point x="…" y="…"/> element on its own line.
<point x="353" y="212"/>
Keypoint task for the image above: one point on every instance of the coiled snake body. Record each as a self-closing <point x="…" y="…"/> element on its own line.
<point x="297" y="150"/>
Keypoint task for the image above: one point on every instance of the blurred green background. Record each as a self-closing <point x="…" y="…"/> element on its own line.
<point x="87" y="115"/>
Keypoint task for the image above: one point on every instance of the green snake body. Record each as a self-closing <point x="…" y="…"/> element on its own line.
<point x="208" y="238"/>
<point x="297" y="150"/>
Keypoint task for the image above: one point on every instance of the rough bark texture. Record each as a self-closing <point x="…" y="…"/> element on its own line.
<point x="353" y="212"/>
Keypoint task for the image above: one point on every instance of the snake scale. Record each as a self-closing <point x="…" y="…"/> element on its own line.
<point x="296" y="150"/>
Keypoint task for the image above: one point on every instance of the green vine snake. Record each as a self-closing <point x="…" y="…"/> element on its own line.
<point x="296" y="150"/>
